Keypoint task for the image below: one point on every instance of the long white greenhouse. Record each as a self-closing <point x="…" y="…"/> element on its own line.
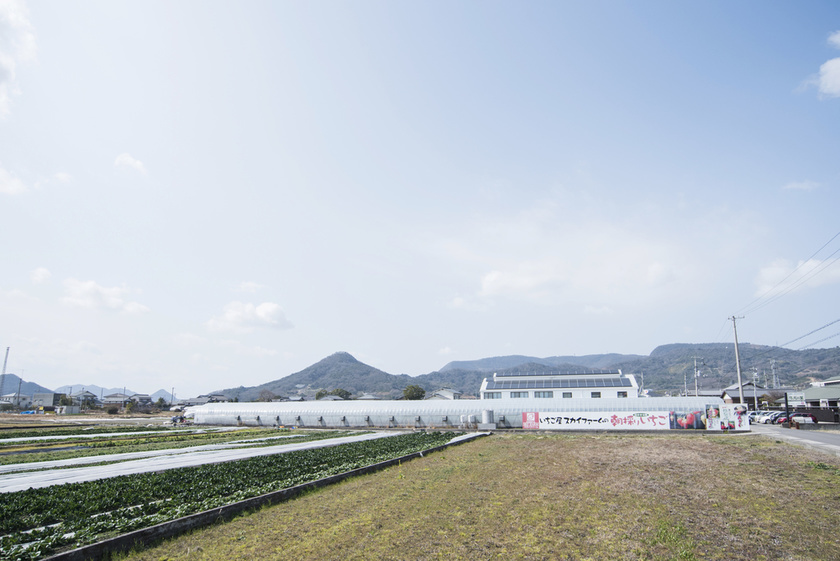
<point x="607" y="413"/>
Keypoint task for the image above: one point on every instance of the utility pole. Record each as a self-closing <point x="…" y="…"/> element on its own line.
<point x="738" y="360"/>
<point x="696" y="375"/>
<point x="3" y="375"/>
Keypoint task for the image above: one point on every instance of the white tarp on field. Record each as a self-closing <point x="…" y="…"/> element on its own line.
<point x="170" y="459"/>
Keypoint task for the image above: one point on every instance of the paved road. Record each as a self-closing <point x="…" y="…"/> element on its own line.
<point x="825" y="440"/>
<point x="19" y="481"/>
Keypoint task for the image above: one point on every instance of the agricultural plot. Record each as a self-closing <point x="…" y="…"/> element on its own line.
<point x="38" y="522"/>
<point x="36" y="445"/>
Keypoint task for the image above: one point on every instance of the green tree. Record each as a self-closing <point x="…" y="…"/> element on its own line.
<point x="341" y="392"/>
<point x="161" y="403"/>
<point x="321" y="393"/>
<point x="414" y="392"/>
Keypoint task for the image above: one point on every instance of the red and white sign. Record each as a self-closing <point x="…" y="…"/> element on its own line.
<point x="530" y="420"/>
<point x="624" y="420"/>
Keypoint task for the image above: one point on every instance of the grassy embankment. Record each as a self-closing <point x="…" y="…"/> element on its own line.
<point x="562" y="496"/>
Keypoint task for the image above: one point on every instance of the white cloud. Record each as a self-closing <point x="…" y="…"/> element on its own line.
<point x="808" y="274"/>
<point x="9" y="184"/>
<point x="834" y="39"/>
<point x="532" y="279"/>
<point x="243" y="317"/>
<point x="62" y="177"/>
<point x="597" y="310"/>
<point x="249" y="286"/>
<point x="574" y="249"/>
<point x="445" y="351"/>
<point x="88" y="294"/>
<point x="125" y="160"/>
<point x="17" y="44"/>
<point x="829" y="79"/>
<point x="40" y="275"/>
<point x="801" y="185"/>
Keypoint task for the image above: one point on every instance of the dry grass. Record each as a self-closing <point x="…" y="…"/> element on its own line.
<point x="556" y="496"/>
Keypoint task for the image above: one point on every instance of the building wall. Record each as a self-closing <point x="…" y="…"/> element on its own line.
<point x="585" y="393"/>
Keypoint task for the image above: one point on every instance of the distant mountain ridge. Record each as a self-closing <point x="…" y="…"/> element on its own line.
<point x="668" y="368"/>
<point x="12" y="383"/>
<point x="600" y="362"/>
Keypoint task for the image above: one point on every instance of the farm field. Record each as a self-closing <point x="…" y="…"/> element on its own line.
<point x="35" y="522"/>
<point x="555" y="496"/>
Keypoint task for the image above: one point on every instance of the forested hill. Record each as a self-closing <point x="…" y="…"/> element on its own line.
<point x="667" y="368"/>
<point x="339" y="370"/>
<point x="13" y="384"/>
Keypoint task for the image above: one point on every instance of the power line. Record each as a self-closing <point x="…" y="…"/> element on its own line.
<point x="820" y="341"/>
<point x="775" y="348"/>
<point x="820" y="268"/>
<point x="749" y="307"/>
<point x="811" y="333"/>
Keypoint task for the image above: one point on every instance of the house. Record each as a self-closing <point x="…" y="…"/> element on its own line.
<point x="202" y="399"/>
<point x="753" y="392"/>
<point x="85" y="399"/>
<point x="824" y="394"/>
<point x="445" y="393"/>
<point x="20" y="401"/>
<point x="141" y="399"/>
<point x="118" y="399"/>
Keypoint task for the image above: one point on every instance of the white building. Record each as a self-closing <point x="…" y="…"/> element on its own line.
<point x="551" y="385"/>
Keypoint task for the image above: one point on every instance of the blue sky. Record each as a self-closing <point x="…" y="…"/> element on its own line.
<point x="208" y="194"/>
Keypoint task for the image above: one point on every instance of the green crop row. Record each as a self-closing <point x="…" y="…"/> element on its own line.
<point x="36" y="522"/>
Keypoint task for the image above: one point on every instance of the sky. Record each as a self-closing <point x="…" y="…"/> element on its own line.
<point x="205" y="194"/>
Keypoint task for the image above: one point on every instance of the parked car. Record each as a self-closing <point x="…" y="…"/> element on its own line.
<point x="771" y="417"/>
<point x="803" y="418"/>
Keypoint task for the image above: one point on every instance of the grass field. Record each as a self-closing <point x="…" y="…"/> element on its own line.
<point x="556" y="496"/>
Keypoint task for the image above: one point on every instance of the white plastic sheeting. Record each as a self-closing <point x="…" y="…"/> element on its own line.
<point x="103" y="458"/>
<point x="169" y="459"/>
<point x="95" y="435"/>
<point x="427" y="414"/>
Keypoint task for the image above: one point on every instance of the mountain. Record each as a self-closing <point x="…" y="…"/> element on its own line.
<point x="167" y="396"/>
<point x="12" y="384"/>
<point x="339" y="370"/>
<point x="596" y="362"/>
<point x="669" y="368"/>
